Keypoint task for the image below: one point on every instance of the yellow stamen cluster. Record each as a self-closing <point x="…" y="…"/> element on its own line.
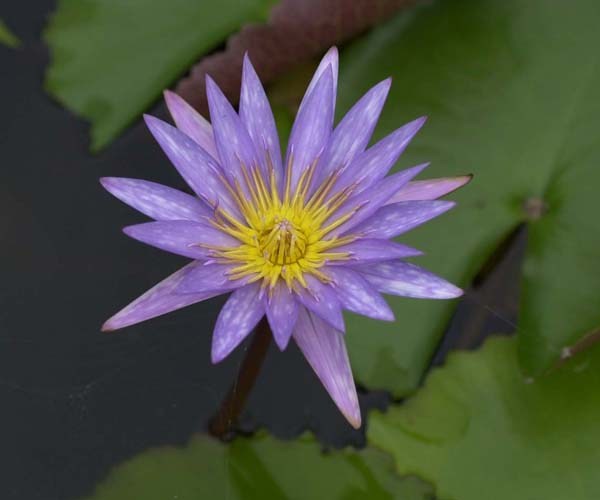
<point x="281" y="236"/>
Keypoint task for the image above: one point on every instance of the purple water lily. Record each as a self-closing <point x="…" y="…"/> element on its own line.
<point x="298" y="238"/>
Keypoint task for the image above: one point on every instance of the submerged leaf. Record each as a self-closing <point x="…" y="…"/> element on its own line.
<point x="110" y="60"/>
<point x="7" y="37"/>
<point x="513" y="97"/>
<point x="258" y="468"/>
<point x="479" y="429"/>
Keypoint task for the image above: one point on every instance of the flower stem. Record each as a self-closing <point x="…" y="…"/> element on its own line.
<point x="222" y="425"/>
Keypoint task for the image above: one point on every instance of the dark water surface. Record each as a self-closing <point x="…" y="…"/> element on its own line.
<point x="74" y="401"/>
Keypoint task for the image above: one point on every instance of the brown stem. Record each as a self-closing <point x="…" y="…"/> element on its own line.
<point x="222" y="425"/>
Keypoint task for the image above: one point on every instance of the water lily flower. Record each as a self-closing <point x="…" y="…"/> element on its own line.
<point x="298" y="238"/>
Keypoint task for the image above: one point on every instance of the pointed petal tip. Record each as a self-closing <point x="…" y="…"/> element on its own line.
<point x="216" y="97"/>
<point x="411" y="171"/>
<point x="390" y="317"/>
<point x="332" y="52"/>
<point x="112" y="183"/>
<point x="414" y="126"/>
<point x="172" y="99"/>
<point x="282" y="343"/>
<point x="236" y="321"/>
<point x="210" y="82"/>
<point x="249" y="74"/>
<point x="152" y="122"/>
<point x="212" y="89"/>
<point x="111" y="324"/>
<point x="330" y="60"/>
<point x="445" y="206"/>
<point x="106" y="327"/>
<point x="133" y="230"/>
<point x="422" y="166"/>
<point x="465" y="179"/>
<point x="387" y="83"/>
<point x="281" y="309"/>
<point x="461" y="181"/>
<point x="455" y="183"/>
<point x="418" y="123"/>
<point x="354" y="419"/>
<point x="216" y="356"/>
<point x="351" y="412"/>
<point x="219" y="352"/>
<point x="449" y="291"/>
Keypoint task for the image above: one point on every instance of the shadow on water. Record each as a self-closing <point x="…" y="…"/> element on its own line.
<point x="490" y="305"/>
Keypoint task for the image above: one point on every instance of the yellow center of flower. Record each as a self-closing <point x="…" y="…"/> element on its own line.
<point x="283" y="242"/>
<point x="282" y="237"/>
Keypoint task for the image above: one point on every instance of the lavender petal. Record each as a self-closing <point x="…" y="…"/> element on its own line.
<point x="374" y="250"/>
<point x="429" y="189"/>
<point x="325" y="350"/>
<point x="191" y="123"/>
<point x="159" y="300"/>
<point x="210" y="276"/>
<point x="373" y="165"/>
<point x="155" y="200"/>
<point x="330" y="60"/>
<point x="195" y="165"/>
<point x="354" y="131"/>
<point x="180" y="237"/>
<point x="257" y="116"/>
<point x="357" y="295"/>
<point x="322" y="300"/>
<point x="370" y="201"/>
<point x="240" y="314"/>
<point x="393" y="220"/>
<point x="312" y="128"/>
<point x="408" y="280"/>
<point x="282" y="313"/>
<point x="234" y="144"/>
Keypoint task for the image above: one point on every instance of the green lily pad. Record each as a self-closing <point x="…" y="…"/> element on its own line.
<point x="512" y="91"/>
<point x="479" y="429"/>
<point x="110" y="59"/>
<point x="258" y="468"/>
<point x="7" y="37"/>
